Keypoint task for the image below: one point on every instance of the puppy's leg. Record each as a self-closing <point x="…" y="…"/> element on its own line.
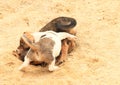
<point x="25" y="64"/>
<point x="52" y="66"/>
<point x="64" y="52"/>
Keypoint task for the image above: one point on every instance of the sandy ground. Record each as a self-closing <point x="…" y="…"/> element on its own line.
<point x="94" y="62"/>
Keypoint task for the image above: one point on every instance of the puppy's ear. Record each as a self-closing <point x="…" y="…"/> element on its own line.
<point x="29" y="36"/>
<point x="29" y="42"/>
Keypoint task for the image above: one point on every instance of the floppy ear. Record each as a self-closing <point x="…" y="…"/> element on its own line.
<point x="29" y="42"/>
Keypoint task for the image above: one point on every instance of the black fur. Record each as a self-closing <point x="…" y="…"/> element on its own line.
<point x="60" y="24"/>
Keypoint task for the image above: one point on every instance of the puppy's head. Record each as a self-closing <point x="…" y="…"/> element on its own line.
<point x="23" y="48"/>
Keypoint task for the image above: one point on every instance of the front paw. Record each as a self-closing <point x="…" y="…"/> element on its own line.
<point x="53" y="68"/>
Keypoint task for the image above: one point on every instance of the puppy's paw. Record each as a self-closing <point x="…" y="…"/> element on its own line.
<point x="53" y="68"/>
<point x="21" y="69"/>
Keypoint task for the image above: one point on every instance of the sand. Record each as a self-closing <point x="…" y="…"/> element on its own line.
<point x="94" y="62"/>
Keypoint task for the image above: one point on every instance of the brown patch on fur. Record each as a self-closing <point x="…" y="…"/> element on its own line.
<point x="44" y="52"/>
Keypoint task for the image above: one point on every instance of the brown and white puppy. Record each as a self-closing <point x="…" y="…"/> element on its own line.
<point x="60" y="24"/>
<point x="46" y="48"/>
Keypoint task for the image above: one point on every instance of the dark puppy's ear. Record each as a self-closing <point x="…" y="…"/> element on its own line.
<point x="65" y="23"/>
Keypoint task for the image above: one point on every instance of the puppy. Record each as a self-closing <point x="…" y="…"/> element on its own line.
<point x="60" y="24"/>
<point x="46" y="48"/>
